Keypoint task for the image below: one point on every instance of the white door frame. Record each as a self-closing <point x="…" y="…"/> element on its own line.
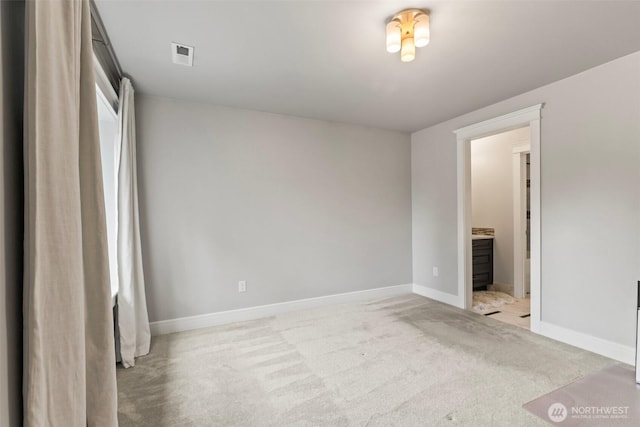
<point x="526" y="117"/>
<point x="519" y="218"/>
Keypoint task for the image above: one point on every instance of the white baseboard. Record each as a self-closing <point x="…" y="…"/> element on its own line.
<point x="444" y="297"/>
<point x="619" y="352"/>
<point x="205" y="320"/>
<point x="612" y="350"/>
<point x="499" y="286"/>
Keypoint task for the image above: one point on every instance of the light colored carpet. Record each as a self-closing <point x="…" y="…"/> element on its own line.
<point x="400" y="361"/>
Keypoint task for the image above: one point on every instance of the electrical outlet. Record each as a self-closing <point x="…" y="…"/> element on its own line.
<point x="242" y="286"/>
<point x="435" y="271"/>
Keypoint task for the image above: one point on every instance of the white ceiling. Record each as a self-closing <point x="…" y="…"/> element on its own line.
<point x="327" y="59"/>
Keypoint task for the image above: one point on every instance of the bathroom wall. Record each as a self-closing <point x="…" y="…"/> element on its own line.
<point x="492" y="197"/>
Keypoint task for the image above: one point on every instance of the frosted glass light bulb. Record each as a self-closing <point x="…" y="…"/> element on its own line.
<point x="421" y="30"/>
<point x="394" y="37"/>
<point x="408" y="52"/>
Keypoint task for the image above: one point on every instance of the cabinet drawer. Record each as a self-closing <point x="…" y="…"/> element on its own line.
<point x="482" y="244"/>
<point x="482" y="268"/>
<point x="481" y="277"/>
<point x="483" y="256"/>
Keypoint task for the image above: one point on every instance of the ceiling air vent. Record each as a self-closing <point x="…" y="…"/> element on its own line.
<point x="182" y="54"/>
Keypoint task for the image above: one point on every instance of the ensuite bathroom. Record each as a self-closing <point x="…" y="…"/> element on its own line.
<point x="501" y="218"/>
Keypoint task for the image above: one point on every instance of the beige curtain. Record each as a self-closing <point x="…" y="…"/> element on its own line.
<point x="69" y="372"/>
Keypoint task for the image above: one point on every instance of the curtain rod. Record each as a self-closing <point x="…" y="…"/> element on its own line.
<point x="110" y="62"/>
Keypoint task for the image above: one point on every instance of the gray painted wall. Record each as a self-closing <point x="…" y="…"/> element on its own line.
<point x="11" y="79"/>
<point x="298" y="208"/>
<point x="590" y="152"/>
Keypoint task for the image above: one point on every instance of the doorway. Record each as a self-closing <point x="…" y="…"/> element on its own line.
<point x="518" y="119"/>
<point x="498" y="169"/>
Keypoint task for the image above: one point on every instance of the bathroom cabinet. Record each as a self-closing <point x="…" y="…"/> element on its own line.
<point x="482" y="250"/>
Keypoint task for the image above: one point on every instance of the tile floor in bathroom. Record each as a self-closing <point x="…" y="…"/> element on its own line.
<point x="503" y="307"/>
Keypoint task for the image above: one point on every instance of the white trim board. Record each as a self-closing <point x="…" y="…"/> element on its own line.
<point x="103" y="83"/>
<point x="610" y="349"/>
<point x="519" y="194"/>
<point x="437" y="295"/>
<point x="583" y="341"/>
<point x="577" y="339"/>
<point x="502" y="123"/>
<point x="222" y="317"/>
<point x="530" y="116"/>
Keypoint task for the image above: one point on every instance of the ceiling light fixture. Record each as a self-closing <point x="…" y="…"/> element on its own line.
<point x="407" y="30"/>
